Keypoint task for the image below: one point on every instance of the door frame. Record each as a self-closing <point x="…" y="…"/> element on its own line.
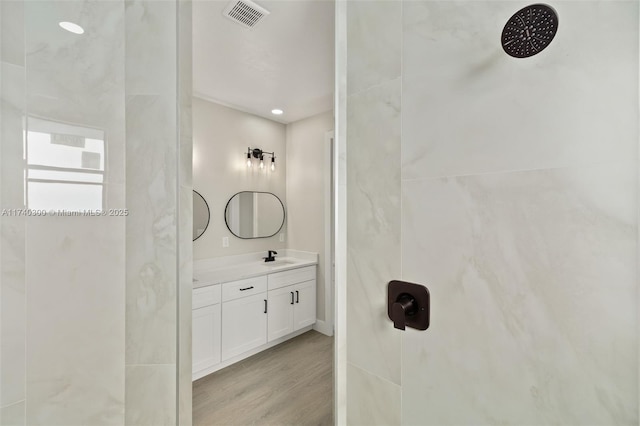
<point x="327" y="326"/>
<point x="329" y="256"/>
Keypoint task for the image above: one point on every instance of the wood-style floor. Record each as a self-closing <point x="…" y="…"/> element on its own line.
<point x="289" y="384"/>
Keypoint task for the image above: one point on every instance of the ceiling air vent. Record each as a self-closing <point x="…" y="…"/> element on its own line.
<point x="245" y="12"/>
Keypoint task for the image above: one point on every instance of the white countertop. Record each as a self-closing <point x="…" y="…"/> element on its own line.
<point x="208" y="272"/>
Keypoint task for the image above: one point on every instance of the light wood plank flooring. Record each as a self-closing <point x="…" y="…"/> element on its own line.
<point x="289" y="384"/>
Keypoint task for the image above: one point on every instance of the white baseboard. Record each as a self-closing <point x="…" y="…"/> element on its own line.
<point x="323" y="327"/>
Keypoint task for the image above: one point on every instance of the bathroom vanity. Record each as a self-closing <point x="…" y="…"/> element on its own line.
<point x="243" y="305"/>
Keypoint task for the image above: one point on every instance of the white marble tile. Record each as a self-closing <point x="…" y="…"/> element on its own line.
<point x="13" y="103"/>
<point x="13" y="415"/>
<point x="372" y="400"/>
<point x="75" y="266"/>
<point x="12" y="231"/>
<point x="151" y="47"/>
<point x="75" y="320"/>
<point x="186" y="155"/>
<point x="185" y="67"/>
<point x="470" y="108"/>
<point x="152" y="244"/>
<point x="154" y="175"/>
<point x="72" y="78"/>
<point x="79" y="79"/>
<point x="185" y="256"/>
<point x="151" y="395"/>
<point x="340" y="107"/>
<point x="373" y="219"/>
<point x="12" y="311"/>
<point x="533" y="281"/>
<point x="374" y="42"/>
<point x="12" y="32"/>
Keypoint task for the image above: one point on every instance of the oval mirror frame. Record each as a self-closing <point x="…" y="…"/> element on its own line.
<point x="226" y="209"/>
<point x="196" y="198"/>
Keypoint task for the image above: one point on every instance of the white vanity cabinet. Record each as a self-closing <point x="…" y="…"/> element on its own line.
<point x="206" y="329"/>
<point x="292" y="301"/>
<point x="304" y="312"/>
<point x="244" y="316"/>
<point x="237" y="319"/>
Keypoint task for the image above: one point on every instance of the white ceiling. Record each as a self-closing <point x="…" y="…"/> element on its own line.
<point x="285" y="61"/>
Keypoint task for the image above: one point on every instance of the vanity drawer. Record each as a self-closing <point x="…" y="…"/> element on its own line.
<point x="247" y="287"/>
<point x="292" y="276"/>
<point x="205" y="296"/>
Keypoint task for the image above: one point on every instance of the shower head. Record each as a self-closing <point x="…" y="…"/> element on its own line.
<point x="529" y="31"/>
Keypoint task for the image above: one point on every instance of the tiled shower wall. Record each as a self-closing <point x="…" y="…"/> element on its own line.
<point x="509" y="187"/>
<point x="89" y="309"/>
<point x="374" y="35"/>
<point x="185" y="225"/>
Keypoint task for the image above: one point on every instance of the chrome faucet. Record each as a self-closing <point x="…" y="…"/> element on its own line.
<point x="270" y="257"/>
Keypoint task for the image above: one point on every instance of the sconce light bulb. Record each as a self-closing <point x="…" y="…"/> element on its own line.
<point x="273" y="164"/>
<point x="261" y="163"/>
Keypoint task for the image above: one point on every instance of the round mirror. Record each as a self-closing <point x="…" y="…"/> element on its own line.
<point x="251" y="214"/>
<point x="201" y="215"/>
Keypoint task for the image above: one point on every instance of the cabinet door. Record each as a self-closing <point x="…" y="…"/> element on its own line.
<point x="244" y="325"/>
<point x="280" y="312"/>
<point x="304" y="312"/>
<point x="206" y="337"/>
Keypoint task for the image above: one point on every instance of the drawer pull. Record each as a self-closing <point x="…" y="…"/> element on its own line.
<point x="247" y="288"/>
<point x="265" y="306"/>
<point x="291" y="298"/>
<point x="297" y="296"/>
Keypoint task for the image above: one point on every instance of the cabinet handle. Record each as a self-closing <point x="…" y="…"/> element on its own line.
<point x="247" y="288"/>
<point x="292" y="298"/>
<point x="297" y="296"/>
<point x="265" y="306"/>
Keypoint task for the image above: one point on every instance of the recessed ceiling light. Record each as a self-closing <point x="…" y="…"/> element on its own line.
<point x="277" y="112"/>
<point x="71" y="27"/>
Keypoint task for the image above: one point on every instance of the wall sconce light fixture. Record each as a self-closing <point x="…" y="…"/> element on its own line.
<point x="259" y="154"/>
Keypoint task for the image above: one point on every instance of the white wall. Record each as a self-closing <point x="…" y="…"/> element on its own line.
<point x="507" y="186"/>
<point x="306" y="171"/>
<point x="221" y="136"/>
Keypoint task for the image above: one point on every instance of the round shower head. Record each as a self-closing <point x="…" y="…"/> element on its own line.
<point x="529" y="31"/>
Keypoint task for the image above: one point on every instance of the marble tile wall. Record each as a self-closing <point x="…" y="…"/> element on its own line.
<point x="154" y="269"/>
<point x="88" y="315"/>
<point x="533" y="307"/>
<point x="517" y="203"/>
<point x="536" y="207"/>
<point x="185" y="243"/>
<point x="373" y="194"/>
<point x="74" y="266"/>
<point x="12" y="229"/>
<point x="540" y="114"/>
<point x="373" y="184"/>
<point x="75" y="315"/>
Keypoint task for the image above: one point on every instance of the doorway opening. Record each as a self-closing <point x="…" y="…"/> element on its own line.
<point x="262" y="312"/>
